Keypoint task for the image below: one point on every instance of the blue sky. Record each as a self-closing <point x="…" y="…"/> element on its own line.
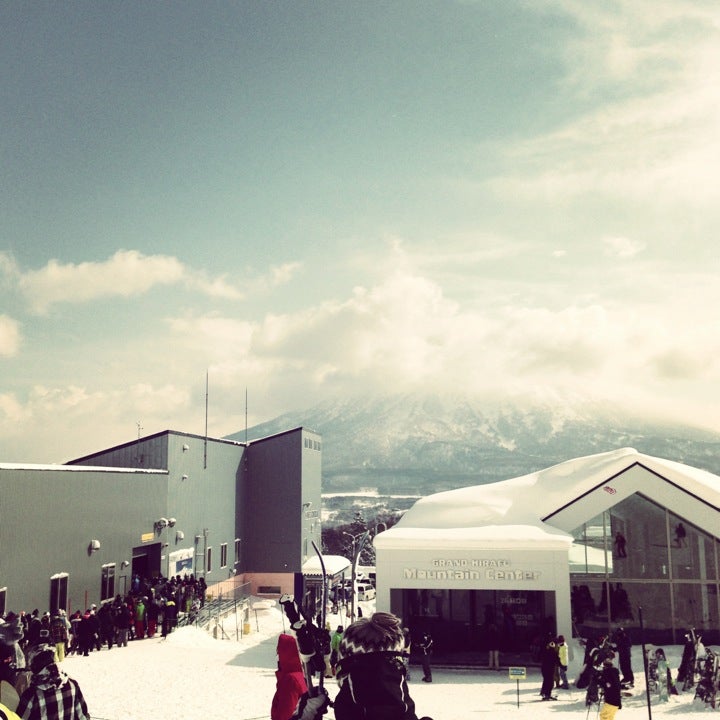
<point x="311" y="200"/>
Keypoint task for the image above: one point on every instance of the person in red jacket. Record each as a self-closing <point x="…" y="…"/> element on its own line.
<point x="290" y="685"/>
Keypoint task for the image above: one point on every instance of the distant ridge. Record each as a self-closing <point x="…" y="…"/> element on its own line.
<point x="419" y="444"/>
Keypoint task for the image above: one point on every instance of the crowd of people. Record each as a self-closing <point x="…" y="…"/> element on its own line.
<point x="34" y="645"/>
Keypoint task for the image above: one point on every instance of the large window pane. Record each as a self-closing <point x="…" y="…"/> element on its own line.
<point x="589" y="554"/>
<point x="696" y="606"/>
<point x="645" y="530"/>
<point x="691" y="551"/>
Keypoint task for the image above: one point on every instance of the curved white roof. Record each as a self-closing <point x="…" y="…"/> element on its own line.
<point x="498" y="513"/>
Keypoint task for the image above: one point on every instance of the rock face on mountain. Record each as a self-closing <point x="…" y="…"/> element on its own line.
<point x="417" y="445"/>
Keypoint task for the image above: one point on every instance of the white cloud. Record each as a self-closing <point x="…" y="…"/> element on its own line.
<point x="127" y="273"/>
<point x="9" y="336"/>
<point x="653" y="131"/>
<point x="622" y="247"/>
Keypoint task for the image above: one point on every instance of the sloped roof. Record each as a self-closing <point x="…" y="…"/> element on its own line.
<point x="513" y="509"/>
<point x="334" y="564"/>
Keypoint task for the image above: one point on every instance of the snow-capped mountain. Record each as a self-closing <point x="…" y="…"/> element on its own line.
<point x="420" y="444"/>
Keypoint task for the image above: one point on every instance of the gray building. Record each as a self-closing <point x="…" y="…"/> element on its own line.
<point x="167" y="504"/>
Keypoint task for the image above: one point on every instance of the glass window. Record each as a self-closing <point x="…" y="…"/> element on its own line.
<point x="696" y="606"/>
<point x="208" y="561"/>
<point x="691" y="551"/>
<point x="628" y="541"/>
<point x="107" y="584"/>
<point x="237" y="550"/>
<point x="58" y="592"/>
<point x="223" y="555"/>
<point x="589" y="553"/>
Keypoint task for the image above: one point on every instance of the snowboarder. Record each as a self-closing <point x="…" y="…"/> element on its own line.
<point x="52" y="695"/>
<point x="548" y="665"/>
<point x="612" y="693"/>
<point x="624" y="650"/>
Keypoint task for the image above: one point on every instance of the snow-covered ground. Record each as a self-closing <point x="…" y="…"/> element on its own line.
<point x="192" y="675"/>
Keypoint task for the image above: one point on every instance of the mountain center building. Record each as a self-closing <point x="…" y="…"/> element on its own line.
<point x="581" y="548"/>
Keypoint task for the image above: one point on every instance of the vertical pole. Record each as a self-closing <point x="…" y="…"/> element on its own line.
<point x="207" y="382"/>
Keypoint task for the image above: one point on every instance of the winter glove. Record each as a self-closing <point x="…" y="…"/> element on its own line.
<point x="313" y="705"/>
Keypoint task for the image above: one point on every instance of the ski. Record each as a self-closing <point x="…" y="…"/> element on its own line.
<point x="323" y="611"/>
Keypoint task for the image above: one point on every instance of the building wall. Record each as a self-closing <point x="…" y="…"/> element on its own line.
<point x="475" y="568"/>
<point x="202" y="486"/>
<point x="207" y="487"/>
<point x="148" y="452"/>
<point x="48" y="517"/>
<point x="281" y="475"/>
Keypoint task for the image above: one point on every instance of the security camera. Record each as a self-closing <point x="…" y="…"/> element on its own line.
<point x="162" y="523"/>
<point x="171" y="522"/>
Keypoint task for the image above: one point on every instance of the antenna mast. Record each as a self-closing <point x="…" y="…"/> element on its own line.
<point x="206" y="418"/>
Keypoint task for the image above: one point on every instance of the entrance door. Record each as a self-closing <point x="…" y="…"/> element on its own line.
<point x="146" y="561"/>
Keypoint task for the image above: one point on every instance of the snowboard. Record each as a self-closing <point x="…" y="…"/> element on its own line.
<point x="8" y="695"/>
<point x="662" y="672"/>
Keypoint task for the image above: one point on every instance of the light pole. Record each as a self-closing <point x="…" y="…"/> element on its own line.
<point x="357" y="546"/>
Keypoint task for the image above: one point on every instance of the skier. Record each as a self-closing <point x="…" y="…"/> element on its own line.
<point x="290" y="683"/>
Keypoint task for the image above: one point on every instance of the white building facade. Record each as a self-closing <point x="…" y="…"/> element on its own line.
<point x="580" y="548"/>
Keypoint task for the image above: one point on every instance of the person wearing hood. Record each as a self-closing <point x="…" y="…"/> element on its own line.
<point x="12" y="658"/>
<point x="291" y="684"/>
<point x="52" y="695"/>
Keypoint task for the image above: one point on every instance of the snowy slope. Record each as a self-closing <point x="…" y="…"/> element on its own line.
<point x="191" y="675"/>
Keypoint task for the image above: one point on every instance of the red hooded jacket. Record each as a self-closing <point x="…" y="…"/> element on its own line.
<point x="290" y="679"/>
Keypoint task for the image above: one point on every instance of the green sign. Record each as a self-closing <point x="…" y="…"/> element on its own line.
<point x="516" y="673"/>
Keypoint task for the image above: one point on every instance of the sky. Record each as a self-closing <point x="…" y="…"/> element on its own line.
<point x="301" y="201"/>
<point x="191" y="674"/>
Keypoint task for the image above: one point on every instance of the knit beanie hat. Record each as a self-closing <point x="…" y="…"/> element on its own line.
<point x="380" y="633"/>
<point x="40" y="657"/>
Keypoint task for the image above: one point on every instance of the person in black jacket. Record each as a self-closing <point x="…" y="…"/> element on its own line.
<point x="612" y="692"/>
<point x="370" y="673"/>
<point x="549" y="661"/>
<point x="424" y="644"/>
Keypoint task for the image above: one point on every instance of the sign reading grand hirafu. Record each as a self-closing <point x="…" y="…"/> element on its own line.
<point x="471" y="569"/>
